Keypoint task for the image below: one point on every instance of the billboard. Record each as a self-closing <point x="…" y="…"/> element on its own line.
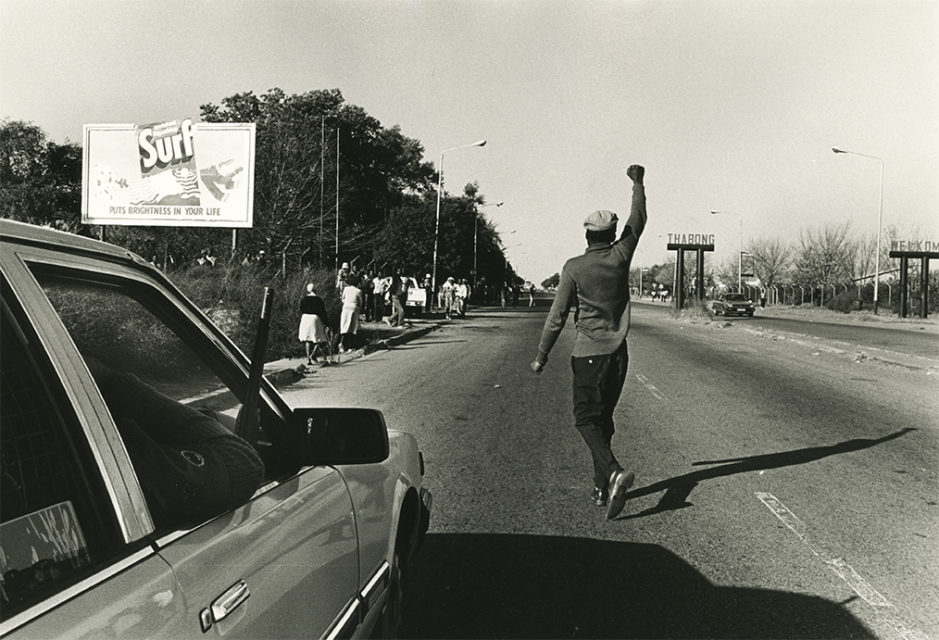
<point x="172" y="173"/>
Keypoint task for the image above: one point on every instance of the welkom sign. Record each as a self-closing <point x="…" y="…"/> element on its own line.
<point x="924" y="251"/>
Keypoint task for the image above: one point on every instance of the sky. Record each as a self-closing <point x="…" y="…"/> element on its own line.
<point x="731" y="105"/>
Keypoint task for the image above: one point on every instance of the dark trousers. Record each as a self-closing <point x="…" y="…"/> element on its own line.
<point x="397" y="311"/>
<point x="598" y="382"/>
<point x="378" y="306"/>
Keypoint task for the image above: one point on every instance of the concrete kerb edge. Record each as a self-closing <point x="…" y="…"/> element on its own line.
<point x="280" y="376"/>
<point x="905" y="361"/>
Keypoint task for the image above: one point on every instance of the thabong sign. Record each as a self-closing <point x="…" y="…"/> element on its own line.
<point x="169" y="174"/>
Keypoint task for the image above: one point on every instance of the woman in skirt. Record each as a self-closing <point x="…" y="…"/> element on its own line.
<point x="349" y="318"/>
<point x="312" y="324"/>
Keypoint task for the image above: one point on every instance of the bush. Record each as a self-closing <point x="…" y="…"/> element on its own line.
<point x="232" y="297"/>
<point x="845" y="302"/>
<point x="116" y="331"/>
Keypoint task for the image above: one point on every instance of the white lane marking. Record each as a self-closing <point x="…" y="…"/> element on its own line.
<point x="842" y="569"/>
<point x="651" y="387"/>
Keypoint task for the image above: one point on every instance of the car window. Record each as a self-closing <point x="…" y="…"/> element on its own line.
<point x="57" y="524"/>
<point x="173" y="401"/>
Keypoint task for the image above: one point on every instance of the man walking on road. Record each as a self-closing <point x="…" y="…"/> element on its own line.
<point x="596" y="285"/>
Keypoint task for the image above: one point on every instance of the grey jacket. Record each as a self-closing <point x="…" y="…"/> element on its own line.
<point x="596" y="286"/>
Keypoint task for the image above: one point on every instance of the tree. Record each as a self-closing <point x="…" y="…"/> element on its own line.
<point x="552" y="281"/>
<point x="321" y="166"/>
<point x="771" y="259"/>
<point x="663" y="274"/>
<point x="407" y="237"/>
<point x="825" y="256"/>
<point x="315" y="153"/>
<point x="490" y="259"/>
<point x="457" y="225"/>
<point x="40" y="181"/>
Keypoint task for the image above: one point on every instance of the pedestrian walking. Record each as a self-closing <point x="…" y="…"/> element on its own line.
<point x="349" y="316"/>
<point x="531" y="295"/>
<point x="379" y="289"/>
<point x="343" y="277"/>
<point x="403" y="292"/>
<point x="448" y="292"/>
<point x="428" y="285"/>
<point x="461" y="294"/>
<point x="313" y="327"/>
<point x="596" y="286"/>
<point x="368" y="287"/>
<point x="397" y="295"/>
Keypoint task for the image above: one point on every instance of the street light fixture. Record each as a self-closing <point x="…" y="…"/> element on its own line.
<point x="880" y="217"/>
<point x="476" y="233"/>
<point x="478" y="143"/>
<point x="739" y="247"/>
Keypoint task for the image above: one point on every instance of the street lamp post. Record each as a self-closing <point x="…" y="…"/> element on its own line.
<point x="739" y="248"/>
<point x="478" y="143"/>
<point x="476" y="232"/>
<point x="880" y="217"/>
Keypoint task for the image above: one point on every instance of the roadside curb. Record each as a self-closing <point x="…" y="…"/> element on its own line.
<point x="859" y="353"/>
<point x="402" y="338"/>
<point x="279" y="373"/>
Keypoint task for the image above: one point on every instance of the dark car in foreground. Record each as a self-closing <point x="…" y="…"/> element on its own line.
<point x="154" y="484"/>
<point x="730" y="304"/>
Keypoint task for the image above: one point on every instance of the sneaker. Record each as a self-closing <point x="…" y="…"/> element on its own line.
<point x="620" y="482"/>
<point x="599" y="496"/>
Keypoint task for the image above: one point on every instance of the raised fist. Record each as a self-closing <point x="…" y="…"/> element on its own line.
<point x="635" y="173"/>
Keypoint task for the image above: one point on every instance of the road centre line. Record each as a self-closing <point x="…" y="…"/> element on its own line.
<point x="651" y="387"/>
<point x="882" y="608"/>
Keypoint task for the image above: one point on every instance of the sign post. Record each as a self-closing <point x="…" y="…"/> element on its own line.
<point x="905" y="256"/>
<point x="699" y="249"/>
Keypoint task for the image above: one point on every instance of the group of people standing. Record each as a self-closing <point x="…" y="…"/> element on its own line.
<point x="359" y="296"/>
<point x="454" y="297"/>
<point x="315" y="329"/>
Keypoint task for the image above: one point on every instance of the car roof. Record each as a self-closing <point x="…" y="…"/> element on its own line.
<point x="24" y="233"/>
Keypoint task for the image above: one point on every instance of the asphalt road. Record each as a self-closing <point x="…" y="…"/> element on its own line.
<point x="912" y="336"/>
<point x="783" y="489"/>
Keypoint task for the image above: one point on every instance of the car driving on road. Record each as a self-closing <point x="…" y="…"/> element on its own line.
<point x="155" y="485"/>
<point x="733" y="304"/>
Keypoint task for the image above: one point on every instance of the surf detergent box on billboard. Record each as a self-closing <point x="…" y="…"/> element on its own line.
<point x="174" y="173"/>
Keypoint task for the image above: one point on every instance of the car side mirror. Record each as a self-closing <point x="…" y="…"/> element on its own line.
<point x="341" y="435"/>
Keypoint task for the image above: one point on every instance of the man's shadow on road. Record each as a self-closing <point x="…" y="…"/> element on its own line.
<point x="679" y="488"/>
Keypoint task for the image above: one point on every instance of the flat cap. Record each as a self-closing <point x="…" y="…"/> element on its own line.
<point x="600" y="220"/>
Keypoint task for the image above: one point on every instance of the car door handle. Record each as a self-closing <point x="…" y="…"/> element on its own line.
<point x="229" y="601"/>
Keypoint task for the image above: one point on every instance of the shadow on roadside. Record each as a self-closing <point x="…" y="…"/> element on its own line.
<point x="525" y="586"/>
